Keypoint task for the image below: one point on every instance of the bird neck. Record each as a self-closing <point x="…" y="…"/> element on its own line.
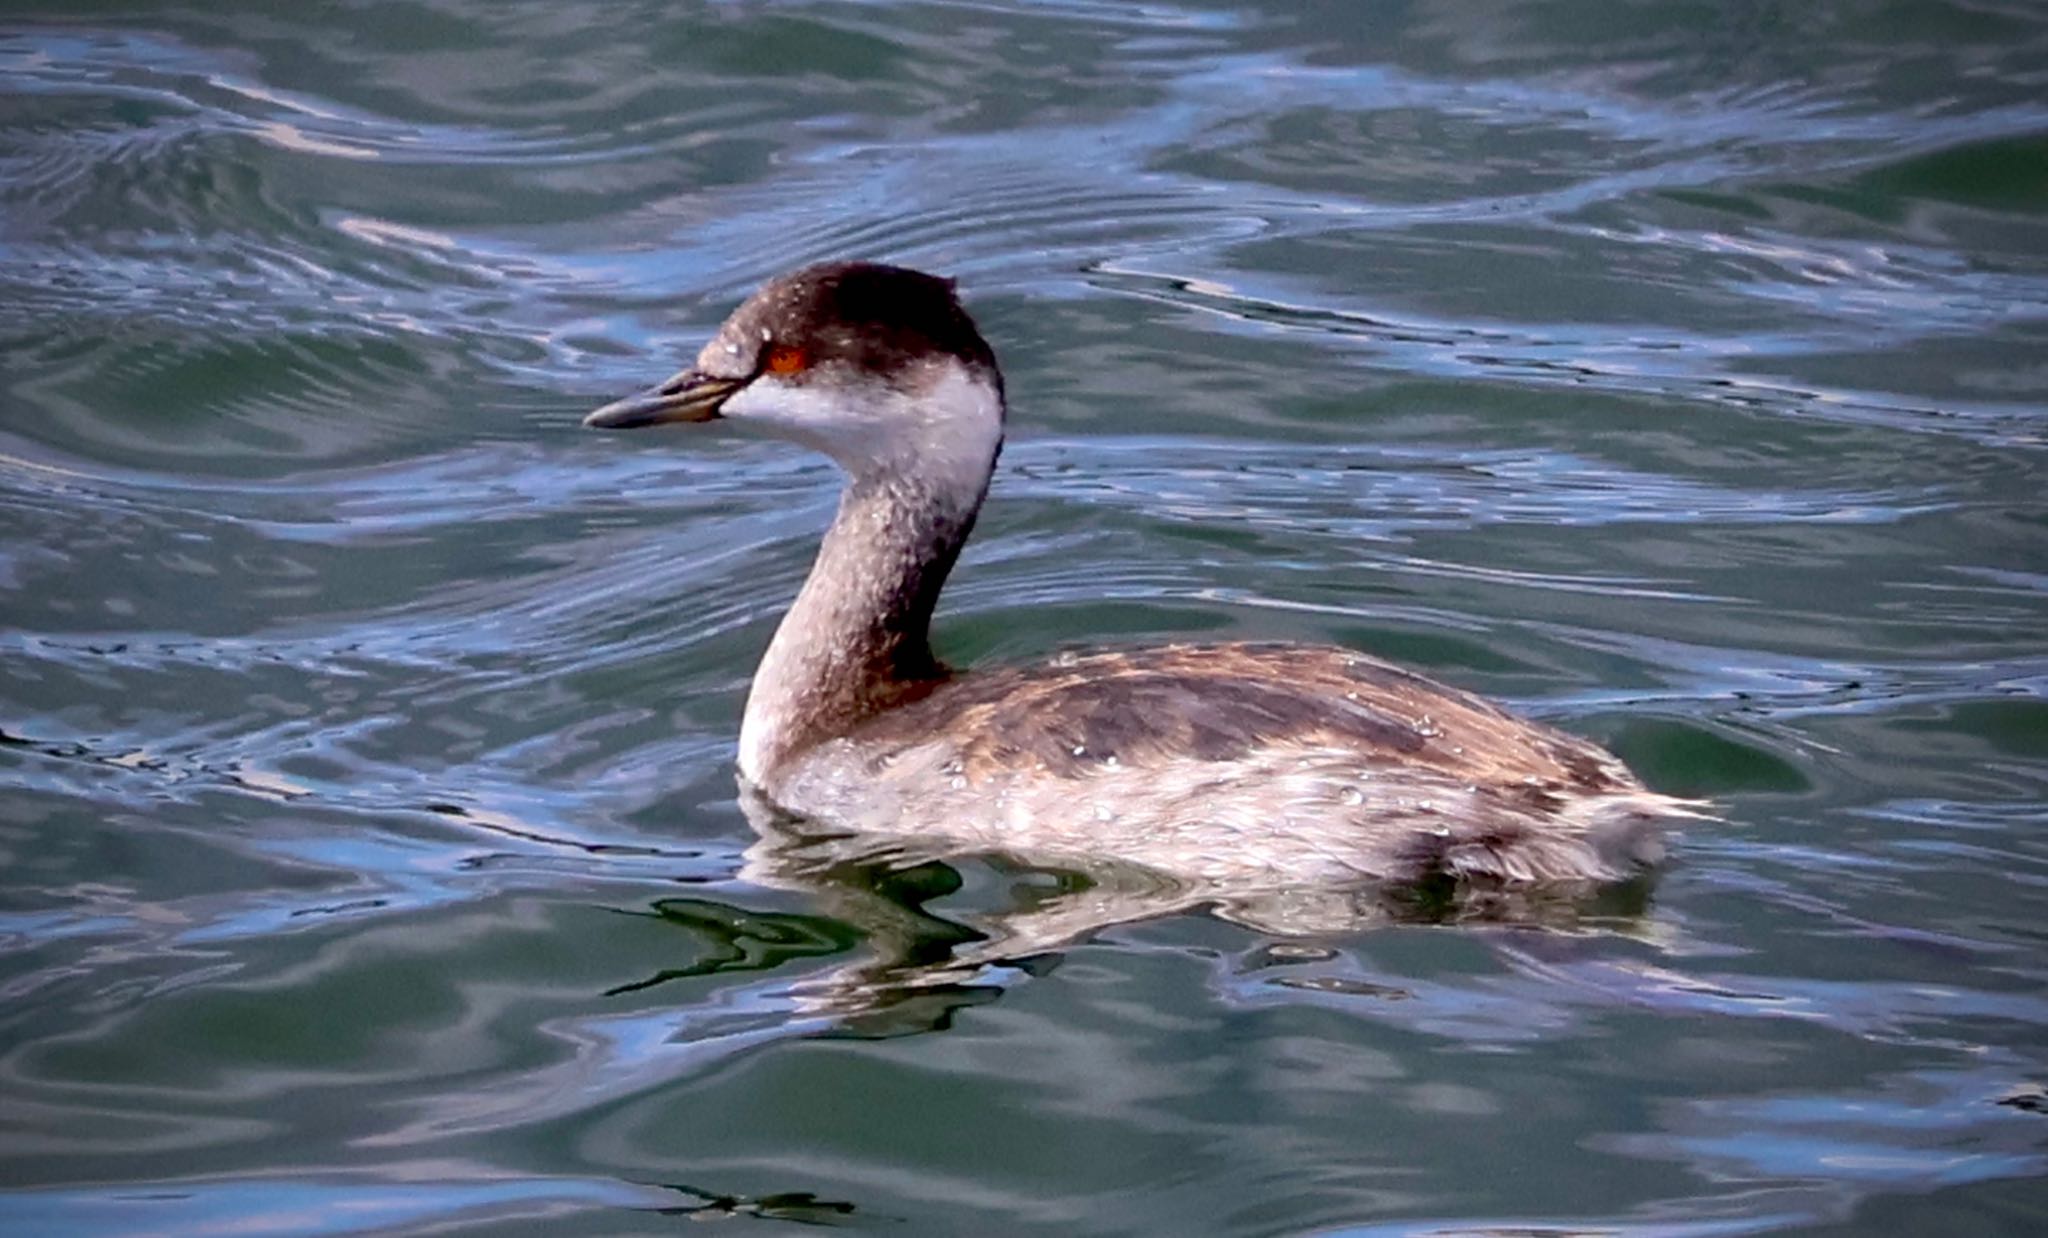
<point x="858" y="638"/>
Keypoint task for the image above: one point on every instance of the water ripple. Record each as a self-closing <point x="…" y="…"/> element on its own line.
<point x="370" y="826"/>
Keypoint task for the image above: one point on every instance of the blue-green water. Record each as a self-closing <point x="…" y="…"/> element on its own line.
<point x="368" y="853"/>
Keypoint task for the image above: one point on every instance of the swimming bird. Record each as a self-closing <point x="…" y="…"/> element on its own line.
<point x="1235" y="764"/>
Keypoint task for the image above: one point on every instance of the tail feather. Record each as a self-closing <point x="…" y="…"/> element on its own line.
<point x="1602" y="839"/>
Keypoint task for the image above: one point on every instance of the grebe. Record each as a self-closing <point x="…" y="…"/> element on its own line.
<point x="1233" y="764"/>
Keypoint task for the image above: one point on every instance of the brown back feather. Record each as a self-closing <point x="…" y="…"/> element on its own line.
<point x="1219" y="702"/>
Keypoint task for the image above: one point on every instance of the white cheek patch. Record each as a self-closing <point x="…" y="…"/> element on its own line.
<point x="953" y="424"/>
<point x="806" y="414"/>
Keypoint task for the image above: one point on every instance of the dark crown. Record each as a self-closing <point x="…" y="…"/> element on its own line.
<point x="879" y="318"/>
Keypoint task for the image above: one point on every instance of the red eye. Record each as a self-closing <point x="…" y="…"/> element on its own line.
<point x="785" y="359"/>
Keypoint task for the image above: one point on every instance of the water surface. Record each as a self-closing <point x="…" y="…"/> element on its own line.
<point x="368" y="853"/>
